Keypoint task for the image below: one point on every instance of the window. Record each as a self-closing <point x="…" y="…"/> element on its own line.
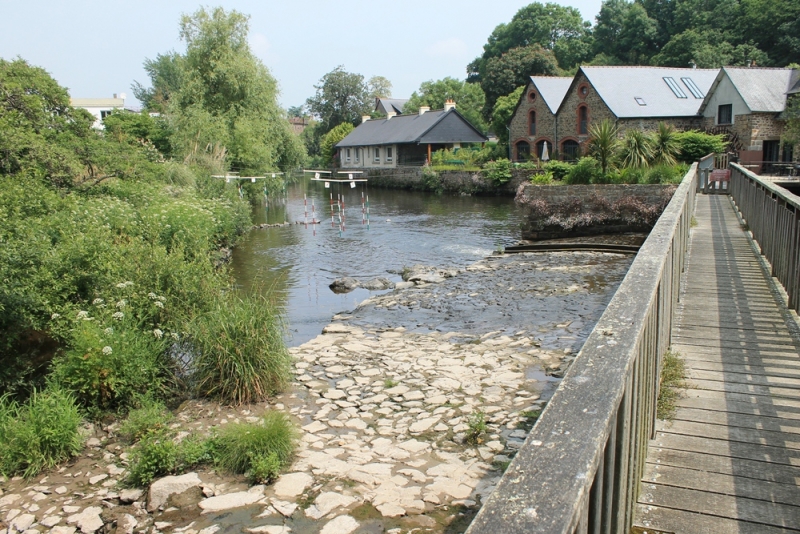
<point x="388" y="153"/>
<point x="675" y="87"/>
<point x="640" y="101"/>
<point x="357" y="152"/>
<point x="532" y="96"/>
<point x="540" y="146"/>
<point x="570" y="150"/>
<point x="105" y="113"/>
<point x="689" y="83"/>
<point x="725" y="114"/>
<point x="532" y="123"/>
<point x="583" y="90"/>
<point x="523" y="151"/>
<point x="377" y="158"/>
<point x="347" y="155"/>
<point x="583" y="120"/>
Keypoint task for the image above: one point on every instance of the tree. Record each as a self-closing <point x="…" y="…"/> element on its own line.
<point x="665" y="145"/>
<point x="468" y="97"/>
<point x="341" y="97"/>
<point x="791" y="132"/>
<point x="551" y="26"/>
<point x="502" y="75"/>
<point x="329" y="140"/>
<point x="604" y="143"/>
<point x="138" y="128"/>
<point x="379" y="87"/>
<point x="166" y="77"/>
<point x="637" y="149"/>
<point x="226" y="108"/>
<point x="502" y="113"/>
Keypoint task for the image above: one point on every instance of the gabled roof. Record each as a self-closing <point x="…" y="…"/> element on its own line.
<point x="390" y="104"/>
<point x="794" y="85"/>
<point x="405" y="129"/>
<point x="643" y="92"/>
<point x="552" y="89"/>
<point x="761" y="89"/>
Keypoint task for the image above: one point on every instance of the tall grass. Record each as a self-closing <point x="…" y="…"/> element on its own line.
<point x="239" y="353"/>
<point x="239" y="447"/>
<point x="39" y="434"/>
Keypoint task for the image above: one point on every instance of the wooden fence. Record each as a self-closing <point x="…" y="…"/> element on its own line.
<point x="581" y="464"/>
<point x="773" y="215"/>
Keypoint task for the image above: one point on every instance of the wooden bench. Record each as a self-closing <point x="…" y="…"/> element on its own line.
<point x="718" y="182"/>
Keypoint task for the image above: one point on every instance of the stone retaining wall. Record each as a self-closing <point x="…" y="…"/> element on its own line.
<point x="582" y="210"/>
<point x="464" y="182"/>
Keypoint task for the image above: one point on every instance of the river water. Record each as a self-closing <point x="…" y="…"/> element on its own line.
<point x="295" y="264"/>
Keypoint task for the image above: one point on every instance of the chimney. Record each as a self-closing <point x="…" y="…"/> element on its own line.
<point x="364" y="118"/>
<point x="423" y="109"/>
<point x="449" y="104"/>
<point x="390" y="114"/>
<point x="115" y="95"/>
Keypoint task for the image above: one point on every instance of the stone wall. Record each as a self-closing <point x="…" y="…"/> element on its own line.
<point x="520" y="123"/>
<point x="581" y="210"/>
<point x="462" y="182"/>
<point x="568" y="115"/>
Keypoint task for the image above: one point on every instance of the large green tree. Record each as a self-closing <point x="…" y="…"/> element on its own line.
<point x="502" y="113"/>
<point x="165" y="72"/>
<point x="469" y="98"/>
<point x="341" y="96"/>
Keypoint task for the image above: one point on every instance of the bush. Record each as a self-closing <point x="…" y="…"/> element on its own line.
<point x="243" y="447"/>
<point x="499" y="172"/>
<point x="265" y="469"/>
<point x="665" y="174"/>
<point x="238" y="351"/>
<point x="693" y="145"/>
<point x="586" y="171"/>
<point x="150" y="417"/>
<point x="38" y="434"/>
<point x="542" y="178"/>
<point x="156" y="455"/>
<point x="559" y="169"/>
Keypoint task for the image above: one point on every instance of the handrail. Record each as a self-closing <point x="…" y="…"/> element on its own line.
<point x="773" y="215"/>
<point x="580" y="467"/>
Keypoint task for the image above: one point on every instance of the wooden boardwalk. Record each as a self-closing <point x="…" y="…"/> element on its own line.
<point x="729" y="462"/>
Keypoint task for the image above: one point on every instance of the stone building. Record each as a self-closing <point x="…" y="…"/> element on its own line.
<point x="748" y="103"/>
<point x="534" y="121"/>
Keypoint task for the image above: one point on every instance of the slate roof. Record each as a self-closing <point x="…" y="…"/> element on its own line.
<point x="552" y="89"/>
<point x="763" y="90"/>
<point x="619" y="87"/>
<point x="406" y="129"/>
<point x="390" y="104"/>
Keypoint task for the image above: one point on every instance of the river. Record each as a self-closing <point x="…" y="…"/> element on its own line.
<point x="295" y="264"/>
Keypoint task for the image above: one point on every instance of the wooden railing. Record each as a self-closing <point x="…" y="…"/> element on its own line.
<point x="773" y="215"/>
<point x="581" y="464"/>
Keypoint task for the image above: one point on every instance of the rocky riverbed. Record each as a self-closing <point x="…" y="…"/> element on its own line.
<point x="408" y="410"/>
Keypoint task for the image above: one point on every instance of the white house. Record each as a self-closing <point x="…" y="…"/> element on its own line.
<point x="99" y="107"/>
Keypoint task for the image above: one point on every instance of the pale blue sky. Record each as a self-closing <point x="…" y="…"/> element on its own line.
<point x="96" y="48"/>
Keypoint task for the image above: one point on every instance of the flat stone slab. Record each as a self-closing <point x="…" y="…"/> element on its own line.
<point x="232" y="500"/>
<point x="292" y="484"/>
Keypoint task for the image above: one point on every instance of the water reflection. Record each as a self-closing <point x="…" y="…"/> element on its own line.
<point x="405" y="228"/>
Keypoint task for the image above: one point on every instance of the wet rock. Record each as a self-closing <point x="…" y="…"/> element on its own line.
<point x="292" y="484"/>
<point x="344" y="524"/>
<point x="391" y="510"/>
<point x="270" y="529"/>
<point x="326" y="502"/>
<point x="8" y="500"/>
<point x="344" y="285"/>
<point x="377" y="284"/>
<point x="128" y="496"/>
<point x="88" y="521"/>
<point x="285" y="508"/>
<point x="232" y="500"/>
<point x="161" y="489"/>
<point x="23" y="522"/>
<point x="126" y="523"/>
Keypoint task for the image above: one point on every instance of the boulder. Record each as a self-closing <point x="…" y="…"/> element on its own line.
<point x="88" y="520"/>
<point x="161" y="489"/>
<point x="377" y="284"/>
<point x="232" y="500"/>
<point x="344" y="285"/>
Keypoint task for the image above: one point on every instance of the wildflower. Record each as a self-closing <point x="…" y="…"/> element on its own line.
<point x="118" y="315"/>
<point x="175" y="336"/>
<point x="159" y="304"/>
<point x="108" y="331"/>
<point x="158" y="333"/>
<point x="55" y="316"/>
<point x="121" y="285"/>
<point x="107" y="350"/>
<point x="152" y="295"/>
<point x="121" y="304"/>
<point x="97" y="301"/>
<point x="83" y="314"/>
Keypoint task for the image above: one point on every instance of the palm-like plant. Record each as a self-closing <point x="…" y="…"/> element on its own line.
<point x="637" y="149"/>
<point x="665" y="145"/>
<point x="604" y="142"/>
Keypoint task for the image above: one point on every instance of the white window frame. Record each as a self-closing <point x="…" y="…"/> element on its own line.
<point x="377" y="157"/>
<point x="389" y="153"/>
<point x="356" y="150"/>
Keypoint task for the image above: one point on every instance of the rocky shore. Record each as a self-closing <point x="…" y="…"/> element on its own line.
<point x="404" y="427"/>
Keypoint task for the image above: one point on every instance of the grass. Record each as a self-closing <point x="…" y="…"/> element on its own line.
<point x="530" y="416"/>
<point x="151" y="416"/>
<point x="39" y="434"/>
<point x="389" y="383"/>
<point x="239" y="355"/>
<point x="240" y="447"/>
<point x="476" y="422"/>
<point x="672" y="374"/>
<point x="693" y="222"/>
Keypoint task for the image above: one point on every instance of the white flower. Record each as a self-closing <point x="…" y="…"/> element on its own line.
<point x="107" y="350"/>
<point x="158" y="333"/>
<point x="121" y="285"/>
<point x="83" y="314"/>
<point x="108" y="331"/>
<point x="121" y="304"/>
<point x="118" y="315"/>
<point x="128" y="283"/>
<point x="152" y="295"/>
<point x="175" y="336"/>
<point x="159" y="304"/>
<point x="162" y="299"/>
<point x="97" y="301"/>
<point x="55" y="316"/>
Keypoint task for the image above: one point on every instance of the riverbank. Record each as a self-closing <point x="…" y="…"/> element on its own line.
<point x="408" y="410"/>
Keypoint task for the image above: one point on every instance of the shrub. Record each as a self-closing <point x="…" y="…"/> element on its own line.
<point x="240" y="447"/>
<point x="476" y="422"/>
<point x="265" y="469"/>
<point x="637" y="149"/>
<point x="542" y="178"/>
<point x="499" y="172"/>
<point x="586" y="171"/>
<point x="38" y="434"/>
<point x="693" y="145"/>
<point x="156" y="455"/>
<point x="665" y="174"/>
<point x="559" y="169"/>
<point x="150" y="417"/>
<point x="238" y="351"/>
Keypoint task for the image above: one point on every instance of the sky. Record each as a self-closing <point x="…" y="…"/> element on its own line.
<point x="97" y="48"/>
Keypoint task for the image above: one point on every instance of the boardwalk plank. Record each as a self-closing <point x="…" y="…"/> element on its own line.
<point x="672" y="520"/>
<point x="739" y="420"/>
<point x="715" y="463"/>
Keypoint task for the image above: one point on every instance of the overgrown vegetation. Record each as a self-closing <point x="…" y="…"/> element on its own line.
<point x="673" y="372"/>
<point x="476" y="423"/>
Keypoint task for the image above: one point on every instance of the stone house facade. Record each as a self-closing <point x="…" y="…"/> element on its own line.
<point x="534" y="121"/>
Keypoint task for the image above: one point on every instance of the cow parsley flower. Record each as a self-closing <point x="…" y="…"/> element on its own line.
<point x="159" y="304"/>
<point x="158" y="333"/>
<point x="118" y="315"/>
<point x="107" y="350"/>
<point x="83" y="315"/>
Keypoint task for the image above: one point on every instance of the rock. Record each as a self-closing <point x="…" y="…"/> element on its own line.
<point x="285" y="508"/>
<point x="404" y="285"/>
<point x="61" y="490"/>
<point x="397" y="390"/>
<point x="126" y="523"/>
<point x="377" y="284"/>
<point x="391" y="510"/>
<point x="88" y="520"/>
<point x="270" y="529"/>
<point x="161" y="489"/>
<point x="9" y="499"/>
<point x="315" y="427"/>
<point x="161" y="525"/>
<point x="334" y="394"/>
<point x="292" y="484"/>
<point x="232" y="500"/>
<point x="326" y="502"/>
<point x="423" y="424"/>
<point x="344" y="524"/>
<point x="128" y="496"/>
<point x="210" y="530"/>
<point x="98" y="478"/>
<point x="62" y="530"/>
<point x="68" y="509"/>
<point x="51" y="521"/>
<point x="344" y="285"/>
<point x="23" y="522"/>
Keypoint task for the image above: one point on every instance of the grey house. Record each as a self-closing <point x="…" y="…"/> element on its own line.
<point x="405" y="139"/>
